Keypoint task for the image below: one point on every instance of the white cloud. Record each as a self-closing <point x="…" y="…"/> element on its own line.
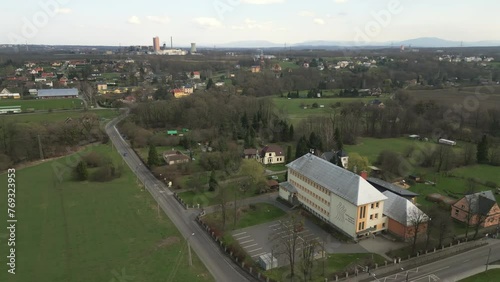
<point x="340" y="1"/>
<point x="63" y="11"/>
<point x="134" y="20"/>
<point x="319" y="21"/>
<point x="262" y="2"/>
<point x="157" y="19"/>
<point x="306" y="14"/>
<point x="207" y="22"/>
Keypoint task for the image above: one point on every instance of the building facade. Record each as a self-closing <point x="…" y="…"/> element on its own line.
<point x="337" y="196"/>
<point x="272" y="154"/>
<point x="479" y="208"/>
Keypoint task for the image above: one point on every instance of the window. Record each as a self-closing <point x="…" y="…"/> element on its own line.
<point x="376" y="215"/>
<point x="376" y="205"/>
<point x="372" y="206"/>
<point x="371" y="216"/>
<point x="456" y="211"/>
<point x="383" y="225"/>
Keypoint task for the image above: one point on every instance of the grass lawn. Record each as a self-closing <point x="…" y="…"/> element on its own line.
<point x="249" y="216"/>
<point x="483" y="172"/>
<point x="455" y="96"/>
<point x="334" y="263"/>
<point x="43" y="104"/>
<point x="292" y="107"/>
<point x="371" y="147"/>
<point x="490" y="275"/>
<point x="276" y="167"/>
<point x="60" y="116"/>
<point x="82" y="231"/>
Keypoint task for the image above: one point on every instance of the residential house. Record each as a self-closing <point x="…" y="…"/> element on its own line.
<point x="251" y="154"/>
<point x="272" y="154"/>
<point x="479" y="208"/>
<point x="403" y="217"/>
<point x="6" y="94"/>
<point x="336" y="156"/>
<point x="175" y="157"/>
<point x="102" y="87"/>
<point x="255" y="69"/>
<point x="337" y="196"/>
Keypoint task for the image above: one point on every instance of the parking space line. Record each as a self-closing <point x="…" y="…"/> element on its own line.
<point x="258" y="255"/>
<point x="249" y="246"/>
<point x="255" y="250"/>
<point x="240" y="234"/>
<point x="248" y="241"/>
<point x="244" y="237"/>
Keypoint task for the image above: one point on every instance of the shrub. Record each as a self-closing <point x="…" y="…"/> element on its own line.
<point x="81" y="173"/>
<point x="94" y="159"/>
<point x="491" y="184"/>
<point x="106" y="173"/>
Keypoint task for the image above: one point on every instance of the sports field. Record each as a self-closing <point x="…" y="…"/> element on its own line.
<point x="44" y="104"/>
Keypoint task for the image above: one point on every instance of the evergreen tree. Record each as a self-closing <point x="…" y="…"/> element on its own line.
<point x="289" y="154"/>
<point x="291" y="133"/>
<point x="302" y="147"/>
<point x="482" y="150"/>
<point x="210" y="84"/>
<point x="315" y="142"/>
<point x="81" y="171"/>
<point x="153" y="159"/>
<point x="212" y="182"/>
<point x="338" y="139"/>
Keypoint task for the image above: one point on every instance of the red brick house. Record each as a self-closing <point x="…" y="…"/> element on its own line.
<point x="480" y="207"/>
<point x="402" y="217"/>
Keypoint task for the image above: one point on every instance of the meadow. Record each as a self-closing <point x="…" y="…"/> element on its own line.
<point x="43" y="104"/>
<point x="87" y="231"/>
<point x="487" y="96"/>
<point x="59" y="115"/>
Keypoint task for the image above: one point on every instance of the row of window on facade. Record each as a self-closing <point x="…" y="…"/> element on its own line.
<point x="311" y="193"/>
<point x="310" y="182"/>
<point x="361" y="226"/>
<point x="310" y="203"/>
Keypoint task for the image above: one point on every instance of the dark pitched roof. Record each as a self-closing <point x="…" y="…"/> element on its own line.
<point x="250" y="152"/>
<point x="481" y="202"/>
<point x="272" y="149"/>
<point x="383" y="185"/>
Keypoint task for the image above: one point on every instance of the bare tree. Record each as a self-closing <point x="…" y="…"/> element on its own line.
<point x="222" y="199"/>
<point x="287" y="239"/>
<point x="480" y="219"/>
<point x="469" y="199"/>
<point x="308" y="252"/>
<point x="417" y="220"/>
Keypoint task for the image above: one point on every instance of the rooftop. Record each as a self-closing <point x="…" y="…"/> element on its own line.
<point x="402" y="210"/>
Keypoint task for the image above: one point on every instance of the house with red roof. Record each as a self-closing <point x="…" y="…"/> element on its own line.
<point x="272" y="154"/>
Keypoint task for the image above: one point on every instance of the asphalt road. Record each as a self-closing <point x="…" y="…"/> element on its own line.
<point x="220" y="266"/>
<point x="450" y="269"/>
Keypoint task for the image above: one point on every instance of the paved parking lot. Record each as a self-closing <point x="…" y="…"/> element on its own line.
<point x="255" y="240"/>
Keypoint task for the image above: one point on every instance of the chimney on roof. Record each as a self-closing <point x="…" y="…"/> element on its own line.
<point x="364" y="174"/>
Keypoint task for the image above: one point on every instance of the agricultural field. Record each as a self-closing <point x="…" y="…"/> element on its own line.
<point x="59" y="115"/>
<point x="43" y="104"/>
<point x="466" y="97"/>
<point x="92" y="231"/>
<point x="294" y="108"/>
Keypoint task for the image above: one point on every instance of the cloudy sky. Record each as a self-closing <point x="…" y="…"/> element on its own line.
<point x="212" y="22"/>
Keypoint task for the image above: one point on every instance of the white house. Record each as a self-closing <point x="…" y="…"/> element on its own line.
<point x="337" y="196"/>
<point x="272" y="154"/>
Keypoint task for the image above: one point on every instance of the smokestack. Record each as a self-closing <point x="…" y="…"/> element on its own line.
<point x="171" y="43"/>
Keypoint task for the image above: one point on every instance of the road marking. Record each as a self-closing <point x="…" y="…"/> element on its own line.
<point x="429" y="275"/>
<point x="255" y="250"/>
<point x="274" y="225"/>
<point x="258" y="255"/>
<point x="244" y="237"/>
<point x="240" y="234"/>
<point x="246" y="242"/>
<point x="249" y="246"/>
<point x="466" y="260"/>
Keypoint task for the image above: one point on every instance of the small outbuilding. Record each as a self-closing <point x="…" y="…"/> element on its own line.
<point x="267" y="261"/>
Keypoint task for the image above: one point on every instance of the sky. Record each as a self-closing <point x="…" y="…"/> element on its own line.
<point x="213" y="22"/>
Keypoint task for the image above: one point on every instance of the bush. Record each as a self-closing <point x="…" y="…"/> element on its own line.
<point x="81" y="173"/>
<point x="491" y="184"/>
<point x="107" y="173"/>
<point x="94" y="159"/>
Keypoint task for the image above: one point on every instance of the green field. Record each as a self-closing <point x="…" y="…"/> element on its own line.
<point x="261" y="213"/>
<point x="483" y="172"/>
<point x="486" y="96"/>
<point x="59" y="116"/>
<point x="371" y="147"/>
<point x="81" y="231"/>
<point x="44" y="104"/>
<point x="334" y="263"/>
<point x="490" y="275"/>
<point x="294" y="108"/>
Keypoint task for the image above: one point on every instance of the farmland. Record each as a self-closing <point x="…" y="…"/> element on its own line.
<point x="44" y="104"/>
<point x="487" y="96"/>
<point x="79" y="231"/>
<point x="59" y="115"/>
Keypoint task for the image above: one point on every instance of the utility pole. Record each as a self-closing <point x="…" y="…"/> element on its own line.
<point x="40" y="147"/>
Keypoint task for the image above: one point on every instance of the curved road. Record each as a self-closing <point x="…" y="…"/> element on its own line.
<point x="220" y="266"/>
